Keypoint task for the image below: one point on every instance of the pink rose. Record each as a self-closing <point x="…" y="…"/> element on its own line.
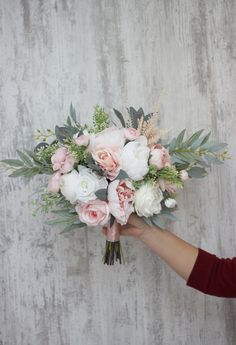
<point x="109" y="160"/>
<point x="62" y="160"/>
<point x="160" y="157"/>
<point x="95" y="212"/>
<point x="120" y="200"/>
<point x="131" y="133"/>
<point x="54" y="183"/>
<point x="184" y="175"/>
<point x="110" y="137"/>
<point x="82" y="140"/>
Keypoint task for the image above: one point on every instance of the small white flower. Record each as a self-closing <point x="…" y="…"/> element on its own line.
<point x="147" y="200"/>
<point x="82" y="185"/>
<point x="170" y="203"/>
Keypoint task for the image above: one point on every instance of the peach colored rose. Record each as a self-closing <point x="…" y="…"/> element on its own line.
<point x="160" y="157"/>
<point x="120" y="200"/>
<point x="131" y="133"/>
<point x="95" y="212"/>
<point x="54" y="183"/>
<point x="62" y="160"/>
<point x="109" y="160"/>
<point x="82" y="140"/>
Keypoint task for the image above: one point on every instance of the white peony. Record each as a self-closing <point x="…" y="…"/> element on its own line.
<point x="147" y="200"/>
<point x="170" y="203"/>
<point x="134" y="158"/>
<point x="82" y="185"/>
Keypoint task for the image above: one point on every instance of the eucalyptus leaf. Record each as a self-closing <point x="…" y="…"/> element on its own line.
<point x="193" y="138"/>
<point x="197" y="172"/>
<point x="13" y="162"/>
<point x="72" y="113"/>
<point x="101" y="194"/>
<point x="120" y="117"/>
<point x="24" y="158"/>
<point x="72" y="227"/>
<point x="122" y="175"/>
<point x="180" y="138"/>
<point x="158" y="222"/>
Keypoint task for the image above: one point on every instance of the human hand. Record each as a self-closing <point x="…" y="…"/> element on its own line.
<point x="135" y="227"/>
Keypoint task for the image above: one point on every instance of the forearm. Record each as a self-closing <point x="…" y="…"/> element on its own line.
<point x="178" y="254"/>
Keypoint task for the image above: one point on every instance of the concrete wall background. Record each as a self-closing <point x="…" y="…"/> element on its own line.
<point x="53" y="288"/>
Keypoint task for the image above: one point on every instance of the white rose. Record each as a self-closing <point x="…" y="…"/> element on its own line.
<point x="170" y="203"/>
<point x="134" y="158"/>
<point x="82" y="185"/>
<point x="147" y="200"/>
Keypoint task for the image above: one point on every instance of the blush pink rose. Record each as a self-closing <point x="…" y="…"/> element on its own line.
<point x="160" y="157"/>
<point x="120" y="200"/>
<point x="62" y="160"/>
<point x="54" y="183"/>
<point x="131" y="133"/>
<point x="95" y="212"/>
<point x="109" y="159"/>
<point x="82" y="140"/>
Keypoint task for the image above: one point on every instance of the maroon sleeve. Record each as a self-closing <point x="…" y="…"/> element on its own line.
<point x="213" y="276"/>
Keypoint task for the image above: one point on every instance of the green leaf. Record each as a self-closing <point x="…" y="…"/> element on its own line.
<point x="197" y="172"/>
<point x="73" y="113"/>
<point x="13" y="162"/>
<point x="134" y="117"/>
<point x="172" y="145"/>
<point x="176" y="159"/>
<point x="20" y="172"/>
<point x="212" y="159"/>
<point x="120" y="117"/>
<point x="57" y="221"/>
<point x="193" y="138"/>
<point x="205" y="139"/>
<point x="168" y="215"/>
<point x="72" y="227"/>
<point x="101" y="194"/>
<point x="215" y="146"/>
<point x="63" y="133"/>
<point x="122" y="175"/>
<point x="158" y="222"/>
<point x="180" y="138"/>
<point x="69" y="121"/>
<point x="140" y="113"/>
<point x="24" y="158"/>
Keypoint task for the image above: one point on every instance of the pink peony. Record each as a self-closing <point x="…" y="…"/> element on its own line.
<point x="62" y="160"/>
<point x="109" y="160"/>
<point x="131" y="133"/>
<point x="95" y="212"/>
<point x="112" y="137"/>
<point x="120" y="200"/>
<point x="160" y="157"/>
<point x="54" y="183"/>
<point x="82" y="140"/>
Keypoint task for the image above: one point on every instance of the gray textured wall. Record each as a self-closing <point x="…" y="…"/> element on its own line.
<point x="53" y="288"/>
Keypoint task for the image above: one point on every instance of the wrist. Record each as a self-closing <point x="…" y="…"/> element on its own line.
<point x="147" y="232"/>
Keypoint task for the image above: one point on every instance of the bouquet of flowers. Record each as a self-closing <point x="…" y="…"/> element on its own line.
<point x="101" y="173"/>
